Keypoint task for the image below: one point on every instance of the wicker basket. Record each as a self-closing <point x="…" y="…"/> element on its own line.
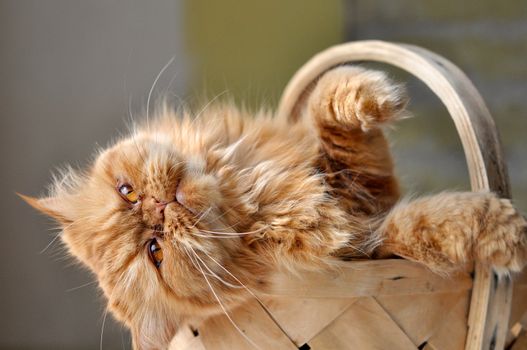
<point x="386" y="304"/>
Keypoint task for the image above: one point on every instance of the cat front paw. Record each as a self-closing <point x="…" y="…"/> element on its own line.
<point x="355" y="97"/>
<point x="503" y="244"/>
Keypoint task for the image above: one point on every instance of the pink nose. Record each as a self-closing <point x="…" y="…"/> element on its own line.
<point x="154" y="211"/>
<point x="160" y="206"/>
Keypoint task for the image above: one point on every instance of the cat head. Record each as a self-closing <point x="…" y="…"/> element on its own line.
<point x="161" y="217"/>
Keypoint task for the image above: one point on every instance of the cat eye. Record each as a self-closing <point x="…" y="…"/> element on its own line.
<point x="128" y="193"/>
<point x="155" y="252"/>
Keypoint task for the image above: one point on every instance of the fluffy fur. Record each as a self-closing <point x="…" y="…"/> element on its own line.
<point x="245" y="195"/>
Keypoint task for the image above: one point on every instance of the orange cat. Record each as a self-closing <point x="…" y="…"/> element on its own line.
<point x="175" y="218"/>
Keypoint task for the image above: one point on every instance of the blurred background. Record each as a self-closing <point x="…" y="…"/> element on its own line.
<point x="71" y="71"/>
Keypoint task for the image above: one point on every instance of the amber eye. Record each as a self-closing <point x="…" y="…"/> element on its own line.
<point x="128" y="193"/>
<point x="155" y="252"/>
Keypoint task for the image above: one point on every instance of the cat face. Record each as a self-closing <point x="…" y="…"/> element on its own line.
<point x="157" y="218"/>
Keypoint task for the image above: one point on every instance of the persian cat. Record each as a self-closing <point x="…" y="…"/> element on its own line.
<point x="175" y="217"/>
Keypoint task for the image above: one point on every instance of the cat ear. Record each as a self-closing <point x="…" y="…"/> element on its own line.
<point x="50" y="206"/>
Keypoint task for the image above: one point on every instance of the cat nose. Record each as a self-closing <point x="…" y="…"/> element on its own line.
<point x="154" y="210"/>
<point x="159" y="206"/>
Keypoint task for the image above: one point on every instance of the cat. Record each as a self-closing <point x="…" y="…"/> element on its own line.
<point x="176" y="217"/>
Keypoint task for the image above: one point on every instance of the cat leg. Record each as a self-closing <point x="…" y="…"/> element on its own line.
<point x="450" y="231"/>
<point x="348" y="105"/>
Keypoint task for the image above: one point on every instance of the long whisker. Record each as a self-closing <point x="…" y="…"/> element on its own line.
<point x="214" y="274"/>
<point x="202" y="215"/>
<point x="351" y="246"/>
<point x="190" y="257"/>
<point x="235" y="233"/>
<point x="102" y="328"/>
<point x="50" y="243"/>
<point x="223" y="306"/>
<point x="119" y="279"/>
<point x="240" y="282"/>
<point x="215" y="236"/>
<point x="152" y="89"/>
<point x="200" y="113"/>
<point x="230" y="274"/>
<point x="81" y="286"/>
<point x="169" y="86"/>
<point x="229" y="233"/>
<point x="194" y="261"/>
<point x="122" y="340"/>
<point x="217" y="218"/>
<point x="195" y="264"/>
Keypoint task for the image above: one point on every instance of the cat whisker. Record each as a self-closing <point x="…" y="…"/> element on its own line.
<point x="122" y="340"/>
<point x="169" y="86"/>
<point x="235" y="233"/>
<point x="180" y="100"/>
<point x="358" y="250"/>
<point x="207" y="105"/>
<point x="224" y="235"/>
<point x="201" y="216"/>
<point x="119" y="279"/>
<point x="232" y="275"/>
<point x="152" y="89"/>
<point x="102" y="327"/>
<point x="211" y="274"/>
<point x="224" y="309"/>
<point x="81" y="286"/>
<point x="51" y="243"/>
<point x="217" y="218"/>
<point x="215" y="237"/>
<point x="214" y="274"/>
<point x="194" y="263"/>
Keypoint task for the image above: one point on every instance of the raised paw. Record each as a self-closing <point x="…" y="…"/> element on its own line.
<point x="354" y="97"/>
<point x="502" y="243"/>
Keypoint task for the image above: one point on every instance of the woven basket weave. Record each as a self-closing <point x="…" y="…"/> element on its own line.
<point x="386" y="304"/>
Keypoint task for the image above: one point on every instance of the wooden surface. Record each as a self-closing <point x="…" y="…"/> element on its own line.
<point x="423" y="316"/>
<point x="367" y="278"/>
<point x="452" y="332"/>
<point x="295" y="315"/>
<point x="365" y="325"/>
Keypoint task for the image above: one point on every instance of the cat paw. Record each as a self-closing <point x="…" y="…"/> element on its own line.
<point x="356" y="98"/>
<point x="503" y="242"/>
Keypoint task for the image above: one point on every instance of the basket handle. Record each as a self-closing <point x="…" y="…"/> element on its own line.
<point x="491" y="296"/>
